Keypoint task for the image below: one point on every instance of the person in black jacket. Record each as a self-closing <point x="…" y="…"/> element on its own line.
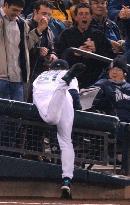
<point x="114" y="96"/>
<point x="84" y="37"/>
<point x="114" y="99"/>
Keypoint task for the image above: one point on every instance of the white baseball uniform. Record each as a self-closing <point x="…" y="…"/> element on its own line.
<point x="55" y="106"/>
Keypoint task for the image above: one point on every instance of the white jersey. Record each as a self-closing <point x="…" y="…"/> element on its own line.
<point x="49" y="80"/>
<point x="45" y="85"/>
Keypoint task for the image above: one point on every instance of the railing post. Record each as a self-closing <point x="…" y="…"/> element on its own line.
<point x="126" y="149"/>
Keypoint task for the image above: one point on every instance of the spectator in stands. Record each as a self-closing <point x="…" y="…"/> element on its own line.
<point x="14" y="55"/>
<point x="114" y="99"/>
<point x="74" y="3"/>
<point x="120" y="11"/>
<point x="45" y="47"/>
<point x="55" y="105"/>
<point x="114" y="96"/>
<point x="43" y="53"/>
<point x="84" y="37"/>
<point x="103" y="23"/>
<point x="56" y="25"/>
<point x="61" y="11"/>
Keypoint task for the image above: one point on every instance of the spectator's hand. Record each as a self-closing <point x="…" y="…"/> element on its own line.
<point x="116" y="46"/>
<point x="127" y="10"/>
<point x="43" y="51"/>
<point x="124" y="13"/>
<point x="88" y="45"/>
<point x="53" y="57"/>
<point x="42" y="24"/>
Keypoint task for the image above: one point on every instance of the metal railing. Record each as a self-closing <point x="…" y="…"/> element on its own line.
<point x="25" y="134"/>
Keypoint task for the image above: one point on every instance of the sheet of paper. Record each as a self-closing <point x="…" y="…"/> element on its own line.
<point x="87" y="97"/>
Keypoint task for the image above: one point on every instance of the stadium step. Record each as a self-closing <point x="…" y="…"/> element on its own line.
<point x="26" y="178"/>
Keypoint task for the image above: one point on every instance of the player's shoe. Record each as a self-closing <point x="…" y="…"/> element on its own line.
<point x="74" y="71"/>
<point x="65" y="188"/>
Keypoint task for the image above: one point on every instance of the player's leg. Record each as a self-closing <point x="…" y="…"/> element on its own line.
<point x="56" y="104"/>
<point x="50" y="105"/>
<point x="64" y="129"/>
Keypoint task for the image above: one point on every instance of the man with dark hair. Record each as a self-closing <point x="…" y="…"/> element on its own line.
<point x="84" y="37"/>
<point x="43" y="53"/>
<point x="55" y="105"/>
<point x="42" y="9"/>
<point x="56" y="25"/>
<point x="14" y="56"/>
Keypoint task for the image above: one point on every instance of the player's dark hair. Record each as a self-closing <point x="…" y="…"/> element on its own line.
<point x="59" y="65"/>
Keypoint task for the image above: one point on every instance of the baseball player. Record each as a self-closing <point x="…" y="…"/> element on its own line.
<point x="55" y="105"/>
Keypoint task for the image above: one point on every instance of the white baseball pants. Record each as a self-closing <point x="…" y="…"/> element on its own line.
<point x="60" y="112"/>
